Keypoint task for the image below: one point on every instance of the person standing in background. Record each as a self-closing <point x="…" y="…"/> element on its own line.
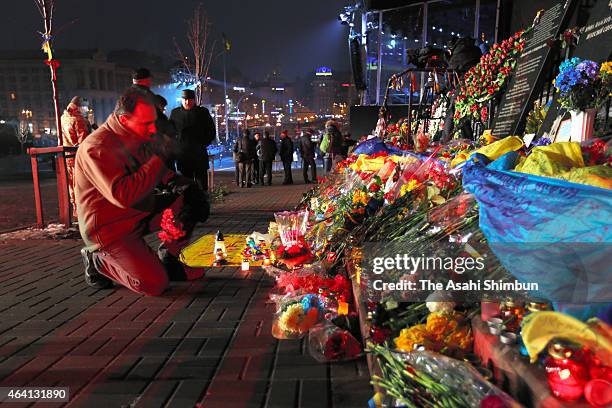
<point x="257" y="158"/>
<point x="307" y="151"/>
<point x="245" y="151"/>
<point x="268" y="153"/>
<point x="196" y="131"/>
<point x="75" y="128"/>
<point x="286" y="156"/>
<point x="336" y="143"/>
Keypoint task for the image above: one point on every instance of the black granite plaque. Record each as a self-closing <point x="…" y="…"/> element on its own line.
<point x="527" y="79"/>
<point x="594" y="43"/>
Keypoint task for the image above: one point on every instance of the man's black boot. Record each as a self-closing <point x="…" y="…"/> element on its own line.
<point x="92" y="277"/>
<point x="174" y="267"/>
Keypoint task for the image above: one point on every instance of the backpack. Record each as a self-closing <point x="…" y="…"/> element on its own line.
<point x="324" y="146"/>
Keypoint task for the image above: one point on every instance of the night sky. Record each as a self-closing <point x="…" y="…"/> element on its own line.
<point x="298" y="36"/>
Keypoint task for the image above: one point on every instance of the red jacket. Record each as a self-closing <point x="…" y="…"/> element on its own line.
<point x="115" y="178"/>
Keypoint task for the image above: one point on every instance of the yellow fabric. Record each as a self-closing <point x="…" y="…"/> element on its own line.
<point x="497" y="149"/>
<point x="552" y="160"/>
<point x="598" y="176"/>
<point x="460" y="158"/>
<point x="364" y="163"/>
<point x="539" y="328"/>
<point x="200" y="253"/>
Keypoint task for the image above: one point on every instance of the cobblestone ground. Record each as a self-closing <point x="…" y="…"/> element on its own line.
<point x="206" y="343"/>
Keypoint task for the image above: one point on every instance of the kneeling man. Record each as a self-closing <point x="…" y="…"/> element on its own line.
<point x="122" y="188"/>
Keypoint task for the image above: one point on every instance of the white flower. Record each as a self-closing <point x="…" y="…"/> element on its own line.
<point x="445" y="307"/>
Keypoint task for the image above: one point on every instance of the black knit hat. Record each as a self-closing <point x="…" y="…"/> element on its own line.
<point x="141" y="73"/>
<point x="188" y="94"/>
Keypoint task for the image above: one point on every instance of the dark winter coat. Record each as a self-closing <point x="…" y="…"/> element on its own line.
<point x="268" y="149"/>
<point x="346" y="146"/>
<point x="286" y="149"/>
<point x="196" y="130"/>
<point x="336" y="140"/>
<point x="245" y="149"/>
<point x="307" y="147"/>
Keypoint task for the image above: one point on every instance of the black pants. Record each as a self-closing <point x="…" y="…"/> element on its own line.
<point x="306" y="162"/>
<point x="265" y="168"/>
<point x="245" y="173"/>
<point x="287" y="169"/>
<point x="200" y="176"/>
<point x="237" y="173"/>
<point x="256" y="172"/>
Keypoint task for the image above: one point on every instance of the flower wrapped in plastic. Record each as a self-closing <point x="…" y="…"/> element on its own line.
<point x="423" y="378"/>
<point x="295" y="316"/>
<point x="329" y="343"/>
<point x="292" y="227"/>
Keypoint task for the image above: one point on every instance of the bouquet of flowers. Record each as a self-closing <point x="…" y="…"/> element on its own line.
<point x="425" y="379"/>
<point x="171" y="228"/>
<point x="328" y="342"/>
<point x="292" y="227"/>
<point x="295" y="316"/>
<point x="443" y="332"/>
<point x="579" y="84"/>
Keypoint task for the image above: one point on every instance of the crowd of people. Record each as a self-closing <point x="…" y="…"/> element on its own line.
<point x="138" y="172"/>
<point x="254" y="155"/>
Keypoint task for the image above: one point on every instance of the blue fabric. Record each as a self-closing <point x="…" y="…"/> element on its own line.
<point x="505" y="162"/>
<point x="546" y="230"/>
<point x="370" y="147"/>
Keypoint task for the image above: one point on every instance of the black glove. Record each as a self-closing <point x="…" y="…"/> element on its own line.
<point x="166" y="148"/>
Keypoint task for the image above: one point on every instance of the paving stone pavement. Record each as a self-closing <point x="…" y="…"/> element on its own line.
<point x="203" y="344"/>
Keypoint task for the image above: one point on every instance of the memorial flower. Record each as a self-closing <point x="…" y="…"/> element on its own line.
<point x="171" y="229"/>
<point x="579" y="84"/>
<point x="483" y="81"/>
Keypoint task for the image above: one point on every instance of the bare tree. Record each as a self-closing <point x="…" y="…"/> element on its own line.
<point x="46" y="7"/>
<point x="197" y="61"/>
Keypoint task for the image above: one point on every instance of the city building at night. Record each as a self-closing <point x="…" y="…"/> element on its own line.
<point x="96" y="76"/>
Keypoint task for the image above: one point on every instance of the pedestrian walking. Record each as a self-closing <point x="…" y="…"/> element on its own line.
<point x="268" y="153"/>
<point x="196" y="131"/>
<point x="117" y="174"/>
<point x="286" y="156"/>
<point x="307" y="151"/>
<point x="75" y="128"/>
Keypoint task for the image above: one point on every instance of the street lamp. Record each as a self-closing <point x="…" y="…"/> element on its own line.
<point x="24" y="127"/>
<point x="238" y="110"/>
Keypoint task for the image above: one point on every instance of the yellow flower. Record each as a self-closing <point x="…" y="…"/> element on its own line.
<point x="411" y="185"/>
<point x="360" y="198"/>
<point x="410" y="336"/>
<point x="291" y="318"/>
<point x="460" y="338"/>
<point x="606" y="68"/>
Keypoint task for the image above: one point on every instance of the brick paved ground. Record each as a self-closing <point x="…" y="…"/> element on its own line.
<point x="204" y="343"/>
